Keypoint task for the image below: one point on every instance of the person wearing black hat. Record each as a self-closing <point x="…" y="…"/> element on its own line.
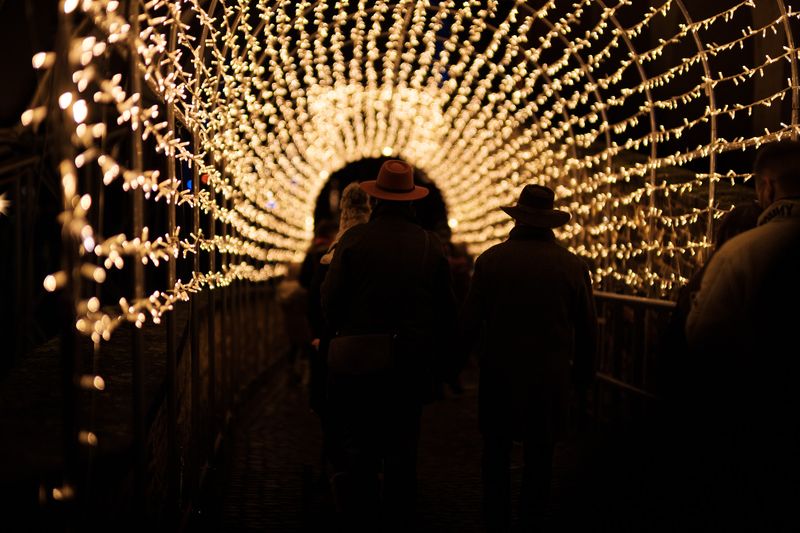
<point x="388" y="297"/>
<point x="532" y="299"/>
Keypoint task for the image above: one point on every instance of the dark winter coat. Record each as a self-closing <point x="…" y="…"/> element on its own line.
<point x="532" y="299"/>
<point x="382" y="281"/>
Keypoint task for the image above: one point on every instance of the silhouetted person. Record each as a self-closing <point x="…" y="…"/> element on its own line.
<point x="293" y="299"/>
<point x="533" y="300"/>
<point x="676" y="361"/>
<point x="354" y="209"/>
<point x="324" y="234"/>
<point x="461" y="264"/>
<point x="743" y="331"/>
<point x="388" y="297"/>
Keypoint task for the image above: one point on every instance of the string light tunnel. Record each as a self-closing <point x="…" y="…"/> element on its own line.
<point x="266" y="99"/>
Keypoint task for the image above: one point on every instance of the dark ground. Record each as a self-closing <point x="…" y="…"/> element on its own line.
<point x="272" y="478"/>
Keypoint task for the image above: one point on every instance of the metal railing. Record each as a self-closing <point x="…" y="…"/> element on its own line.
<point x="630" y="336"/>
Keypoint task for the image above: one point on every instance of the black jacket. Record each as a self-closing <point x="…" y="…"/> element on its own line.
<point x="382" y="280"/>
<point x="532" y="299"/>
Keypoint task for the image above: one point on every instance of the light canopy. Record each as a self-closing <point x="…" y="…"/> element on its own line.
<point x="483" y="96"/>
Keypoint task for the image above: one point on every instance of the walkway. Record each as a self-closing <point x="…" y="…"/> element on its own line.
<point x="272" y="478"/>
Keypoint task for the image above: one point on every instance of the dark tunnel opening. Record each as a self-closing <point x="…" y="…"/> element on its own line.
<point x="431" y="210"/>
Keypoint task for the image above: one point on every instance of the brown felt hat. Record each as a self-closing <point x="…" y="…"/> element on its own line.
<point x="395" y="182"/>
<point x="535" y="208"/>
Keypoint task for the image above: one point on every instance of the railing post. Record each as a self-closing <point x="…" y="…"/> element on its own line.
<point x="19" y="299"/>
<point x="195" y="445"/>
<point x="212" y="336"/>
<point x="173" y="473"/>
<point x="225" y="352"/>
<point x="69" y="493"/>
<point x="237" y="345"/>
<point x="795" y="70"/>
<point x="139" y="429"/>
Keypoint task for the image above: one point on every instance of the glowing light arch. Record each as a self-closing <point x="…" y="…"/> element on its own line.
<point x="482" y="96"/>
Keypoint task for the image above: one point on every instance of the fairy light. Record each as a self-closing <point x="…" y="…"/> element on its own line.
<point x="88" y="438"/>
<point x="65" y="492"/>
<point x="484" y="100"/>
<point x="43" y="60"/>
<point x="90" y="382"/>
<point x="5" y="203"/>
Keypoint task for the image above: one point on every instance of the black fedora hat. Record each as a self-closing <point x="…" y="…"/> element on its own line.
<point x="535" y="208"/>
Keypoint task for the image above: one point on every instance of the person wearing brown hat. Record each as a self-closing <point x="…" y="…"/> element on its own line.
<point x="388" y="296"/>
<point x="532" y="298"/>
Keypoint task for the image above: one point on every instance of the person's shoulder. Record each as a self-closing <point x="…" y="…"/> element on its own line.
<point x="494" y="251"/>
<point x="436" y="242"/>
<point x="729" y="261"/>
<point x="559" y="251"/>
<point x="352" y="235"/>
<point x="578" y="261"/>
<point x="743" y="241"/>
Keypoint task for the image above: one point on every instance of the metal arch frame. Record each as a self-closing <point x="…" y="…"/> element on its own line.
<point x="557" y="94"/>
<point x="174" y="112"/>
<point x="787" y="28"/>
<point x="173" y="461"/>
<point x="549" y="80"/>
<point x="653" y="133"/>
<point x="598" y="97"/>
<point x="505" y="38"/>
<point x="429" y="8"/>
<point x="534" y="63"/>
<point x="525" y="7"/>
<point x="138" y="371"/>
<point x="680" y="3"/>
<point x="712" y="103"/>
<point x="232" y="24"/>
<point x="634" y="55"/>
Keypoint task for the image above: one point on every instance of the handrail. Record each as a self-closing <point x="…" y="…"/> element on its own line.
<point x="626" y="386"/>
<point x="653" y="302"/>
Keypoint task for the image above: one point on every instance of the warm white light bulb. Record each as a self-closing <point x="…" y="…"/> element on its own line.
<point x="65" y="100"/>
<point x="80" y="111"/>
<point x="70" y="5"/>
<point x="43" y="60"/>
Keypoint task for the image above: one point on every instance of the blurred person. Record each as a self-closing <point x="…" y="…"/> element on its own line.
<point x="741" y="218"/>
<point x="354" y="209"/>
<point x="292" y="298"/>
<point x="324" y="234"/>
<point x="461" y="264"/>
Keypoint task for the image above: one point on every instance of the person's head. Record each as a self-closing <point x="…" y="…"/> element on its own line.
<point x="354" y="199"/>
<point x="738" y="220"/>
<point x="395" y="183"/>
<point x="777" y="172"/>
<point x="354" y="207"/>
<point x="325" y="230"/>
